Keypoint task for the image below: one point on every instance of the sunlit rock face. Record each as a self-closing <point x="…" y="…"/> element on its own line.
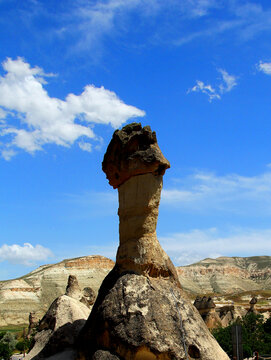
<point x="141" y="313"/>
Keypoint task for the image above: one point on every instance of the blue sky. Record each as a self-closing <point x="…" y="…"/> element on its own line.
<point x="197" y="71"/>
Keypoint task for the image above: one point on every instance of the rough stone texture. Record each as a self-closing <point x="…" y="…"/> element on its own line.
<point x="59" y="327"/>
<point x="141" y="312"/>
<point x="132" y="151"/>
<point x="104" y="355"/>
<point x="89" y="296"/>
<point x="139" y="319"/>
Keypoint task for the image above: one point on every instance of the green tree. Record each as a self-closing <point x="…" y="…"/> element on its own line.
<point x="224" y="338"/>
<point x="256" y="335"/>
<point x="9" y="339"/>
<point x="5" y="351"/>
<point x="23" y="345"/>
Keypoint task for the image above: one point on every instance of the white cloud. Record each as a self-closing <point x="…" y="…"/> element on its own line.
<point x="205" y="89"/>
<point x="234" y="193"/>
<point x="189" y="247"/>
<point x="227" y="84"/>
<point x="229" y="81"/>
<point x="41" y="119"/>
<point x="26" y="255"/>
<point x="85" y="146"/>
<point x="265" y="67"/>
<point x="8" y="154"/>
<point x="3" y="114"/>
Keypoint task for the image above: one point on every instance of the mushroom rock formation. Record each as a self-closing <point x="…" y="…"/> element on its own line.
<point x="87" y="296"/>
<point x="73" y="290"/>
<point x="206" y="308"/>
<point x="252" y="303"/>
<point x="141" y="312"/>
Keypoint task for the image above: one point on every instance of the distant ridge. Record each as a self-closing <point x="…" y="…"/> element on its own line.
<point x="35" y="291"/>
<point x="227" y="275"/>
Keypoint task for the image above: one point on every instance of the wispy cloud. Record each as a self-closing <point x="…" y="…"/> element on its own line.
<point x="245" y="20"/>
<point x="189" y="247"/>
<point x="31" y="118"/>
<point x="228" y="82"/>
<point x="205" y="89"/>
<point x="233" y="193"/>
<point x="25" y="255"/>
<point x="264" y="67"/>
<point x="89" y="24"/>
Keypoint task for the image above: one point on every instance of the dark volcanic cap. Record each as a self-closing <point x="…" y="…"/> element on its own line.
<point x="132" y="151"/>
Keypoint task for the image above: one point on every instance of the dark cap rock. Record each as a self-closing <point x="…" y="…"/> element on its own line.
<point x="133" y="151"/>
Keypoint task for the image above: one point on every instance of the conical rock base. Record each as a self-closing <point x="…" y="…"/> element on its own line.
<point x="139" y="318"/>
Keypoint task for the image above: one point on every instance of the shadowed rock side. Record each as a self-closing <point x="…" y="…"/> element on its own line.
<point x="141" y="312"/>
<point x="60" y="325"/>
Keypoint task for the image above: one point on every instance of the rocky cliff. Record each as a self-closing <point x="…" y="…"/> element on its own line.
<point x="35" y="291"/>
<point x="227" y="275"/>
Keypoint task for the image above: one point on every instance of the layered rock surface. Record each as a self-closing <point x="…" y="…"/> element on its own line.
<point x="141" y="313"/>
<point x="36" y="291"/>
<point x="227" y="275"/>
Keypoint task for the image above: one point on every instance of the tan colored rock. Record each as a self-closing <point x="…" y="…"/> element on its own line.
<point x="133" y="151"/>
<point x="139" y="250"/>
<point x="206" y="308"/>
<point x="141" y="313"/>
<point x="73" y="290"/>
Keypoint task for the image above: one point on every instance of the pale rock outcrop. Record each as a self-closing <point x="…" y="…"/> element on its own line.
<point x="60" y="326"/>
<point x="73" y="290"/>
<point x="87" y="296"/>
<point x="141" y="313"/>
